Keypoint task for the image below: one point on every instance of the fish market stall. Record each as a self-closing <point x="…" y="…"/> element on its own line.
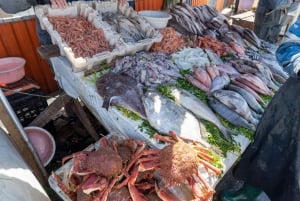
<point x="201" y="81"/>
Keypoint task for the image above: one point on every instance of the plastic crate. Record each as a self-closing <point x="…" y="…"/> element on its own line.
<point x="27" y="107"/>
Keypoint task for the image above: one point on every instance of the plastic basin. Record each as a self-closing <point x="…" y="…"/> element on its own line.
<point x="157" y="19"/>
<point x="43" y="143"/>
<point x="11" y="69"/>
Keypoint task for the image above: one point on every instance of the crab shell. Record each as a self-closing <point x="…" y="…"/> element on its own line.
<point x="104" y="161"/>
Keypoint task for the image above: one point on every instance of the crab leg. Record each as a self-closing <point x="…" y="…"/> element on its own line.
<point x="163" y="195"/>
<point x="205" y="156"/>
<point x="207" y="165"/>
<point x="134" y="192"/>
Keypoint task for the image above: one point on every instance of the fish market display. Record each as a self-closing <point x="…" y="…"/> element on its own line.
<point x="165" y="115"/>
<point x="80" y="35"/>
<point x="121" y="90"/>
<point x="128" y="27"/>
<point x="170" y="43"/>
<point x="149" y="69"/>
<point x="199" y="109"/>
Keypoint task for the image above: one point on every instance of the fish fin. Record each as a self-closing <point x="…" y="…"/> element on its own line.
<point x="105" y="103"/>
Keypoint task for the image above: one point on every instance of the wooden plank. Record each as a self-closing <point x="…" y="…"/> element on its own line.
<point x="21" y="145"/>
<point x="44" y="117"/>
<point x="77" y="108"/>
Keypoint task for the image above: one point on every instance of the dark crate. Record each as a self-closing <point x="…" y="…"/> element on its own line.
<point x="28" y="107"/>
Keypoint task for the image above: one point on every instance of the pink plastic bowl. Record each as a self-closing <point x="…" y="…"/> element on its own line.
<point x="11" y="69"/>
<point x="43" y="143"/>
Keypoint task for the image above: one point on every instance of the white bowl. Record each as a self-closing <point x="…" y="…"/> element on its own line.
<point x="42" y="141"/>
<point x="157" y="19"/>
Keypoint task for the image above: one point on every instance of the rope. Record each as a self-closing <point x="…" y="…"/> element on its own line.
<point x="25" y="93"/>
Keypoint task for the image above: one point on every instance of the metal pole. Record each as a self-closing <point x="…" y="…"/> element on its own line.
<point x="20" y="139"/>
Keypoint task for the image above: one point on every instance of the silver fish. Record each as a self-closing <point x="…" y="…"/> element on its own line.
<point x="220" y="82"/>
<point x="235" y="102"/>
<point x="165" y="115"/>
<point x="252" y="102"/>
<point x="231" y="116"/>
<point x="199" y="109"/>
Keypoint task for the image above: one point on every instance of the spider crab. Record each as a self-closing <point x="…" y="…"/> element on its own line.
<point x="94" y="173"/>
<point x="178" y="163"/>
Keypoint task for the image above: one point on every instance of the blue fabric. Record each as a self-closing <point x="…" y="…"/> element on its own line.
<point x="288" y="53"/>
<point x="295" y="29"/>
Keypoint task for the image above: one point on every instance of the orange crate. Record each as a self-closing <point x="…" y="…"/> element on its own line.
<point x="148" y="5"/>
<point x="199" y="2"/>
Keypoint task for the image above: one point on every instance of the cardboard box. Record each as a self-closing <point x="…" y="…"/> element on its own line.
<point x="245" y="19"/>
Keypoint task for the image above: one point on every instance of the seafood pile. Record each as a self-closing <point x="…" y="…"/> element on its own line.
<point x="149" y="69"/>
<point x="126" y="169"/>
<point x="80" y="35"/>
<point x="128" y="27"/>
<point x="206" y="21"/>
<point x="170" y="43"/>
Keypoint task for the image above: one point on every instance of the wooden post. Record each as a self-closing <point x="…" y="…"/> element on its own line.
<point x="19" y="139"/>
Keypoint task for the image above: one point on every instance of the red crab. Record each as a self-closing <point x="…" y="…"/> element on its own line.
<point x="96" y="172"/>
<point x="179" y="163"/>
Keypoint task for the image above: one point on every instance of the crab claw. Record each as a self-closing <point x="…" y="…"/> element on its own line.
<point x="164" y="195"/>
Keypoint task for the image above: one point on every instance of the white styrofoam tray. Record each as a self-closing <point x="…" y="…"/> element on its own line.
<point x="152" y="34"/>
<point x="85" y="10"/>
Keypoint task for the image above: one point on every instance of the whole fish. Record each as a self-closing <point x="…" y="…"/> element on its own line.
<point x="220" y="82"/>
<point x="242" y="85"/>
<point x="121" y="90"/>
<point x="212" y="71"/>
<point x="227" y="69"/>
<point x="254" y="83"/>
<point x="199" y="109"/>
<point x="196" y="83"/>
<point x="235" y="102"/>
<point x="252" y="102"/>
<point x="165" y="115"/>
<point x="202" y="75"/>
<point x="231" y="116"/>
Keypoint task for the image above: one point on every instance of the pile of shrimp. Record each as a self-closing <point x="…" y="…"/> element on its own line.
<point x="170" y="43"/>
<point x="208" y="42"/>
<point x="80" y="35"/>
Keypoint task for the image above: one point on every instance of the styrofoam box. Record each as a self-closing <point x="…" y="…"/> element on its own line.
<point x="152" y="34"/>
<point x="81" y="9"/>
<point x="63" y="171"/>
